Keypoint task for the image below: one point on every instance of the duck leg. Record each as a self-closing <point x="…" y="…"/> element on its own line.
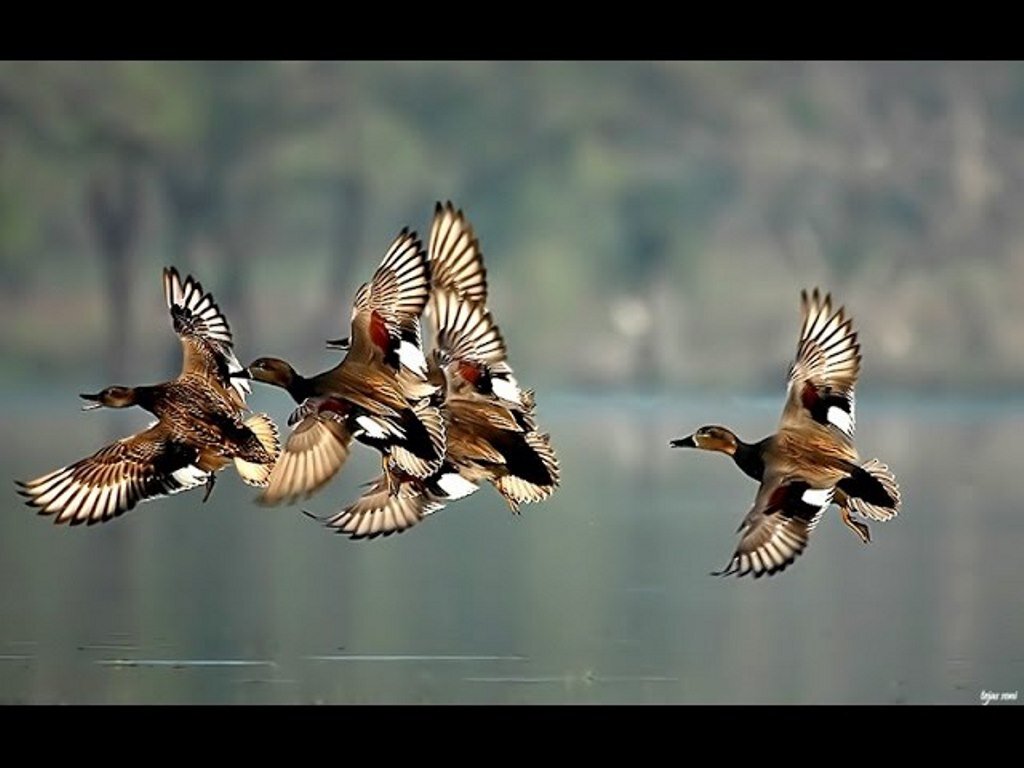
<point x="859" y="528"/>
<point x="210" y="480"/>
<point x="385" y="466"/>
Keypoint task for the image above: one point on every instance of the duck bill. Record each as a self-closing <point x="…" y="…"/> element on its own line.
<point x="245" y="373"/>
<point x="93" y="402"/>
<point x="343" y="344"/>
<point x="683" y="442"/>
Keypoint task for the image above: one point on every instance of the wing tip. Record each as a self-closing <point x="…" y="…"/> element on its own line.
<point x="172" y="285"/>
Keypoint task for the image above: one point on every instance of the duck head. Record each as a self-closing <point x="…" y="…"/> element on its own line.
<point x="709" y="438"/>
<point x="269" y="370"/>
<point x="111" y="397"/>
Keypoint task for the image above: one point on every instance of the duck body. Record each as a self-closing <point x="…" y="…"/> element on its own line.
<point x="810" y="462"/>
<point x="198" y="414"/>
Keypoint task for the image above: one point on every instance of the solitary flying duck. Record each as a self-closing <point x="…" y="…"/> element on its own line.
<point x="810" y="462"/>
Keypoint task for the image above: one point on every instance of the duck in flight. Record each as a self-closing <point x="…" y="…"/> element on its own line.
<point x="810" y="463"/>
<point x="199" y="428"/>
<point x="378" y="394"/>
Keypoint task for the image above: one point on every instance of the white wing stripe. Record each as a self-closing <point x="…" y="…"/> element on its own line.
<point x="455" y="486"/>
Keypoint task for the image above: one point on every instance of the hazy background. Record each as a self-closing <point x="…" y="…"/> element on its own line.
<point x="647" y="228"/>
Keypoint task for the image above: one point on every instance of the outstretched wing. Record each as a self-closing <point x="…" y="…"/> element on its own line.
<point x="823" y="375"/>
<point x="386" y="312"/>
<point x="775" y="531"/>
<point x="378" y="513"/>
<point x="456" y="262"/>
<point x="465" y="329"/>
<point x="116" y="478"/>
<point x="205" y="335"/>
<point x="316" y="449"/>
<point x="472" y="348"/>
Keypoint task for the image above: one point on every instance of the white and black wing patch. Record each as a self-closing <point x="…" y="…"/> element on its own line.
<point x="776" y="530"/>
<point x="842" y="413"/>
<point x="115" y="479"/>
<point x="451" y="485"/>
<point x="455" y="258"/>
<point x="204" y="330"/>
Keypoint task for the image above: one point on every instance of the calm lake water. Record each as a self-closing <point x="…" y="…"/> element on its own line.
<point x="600" y="595"/>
